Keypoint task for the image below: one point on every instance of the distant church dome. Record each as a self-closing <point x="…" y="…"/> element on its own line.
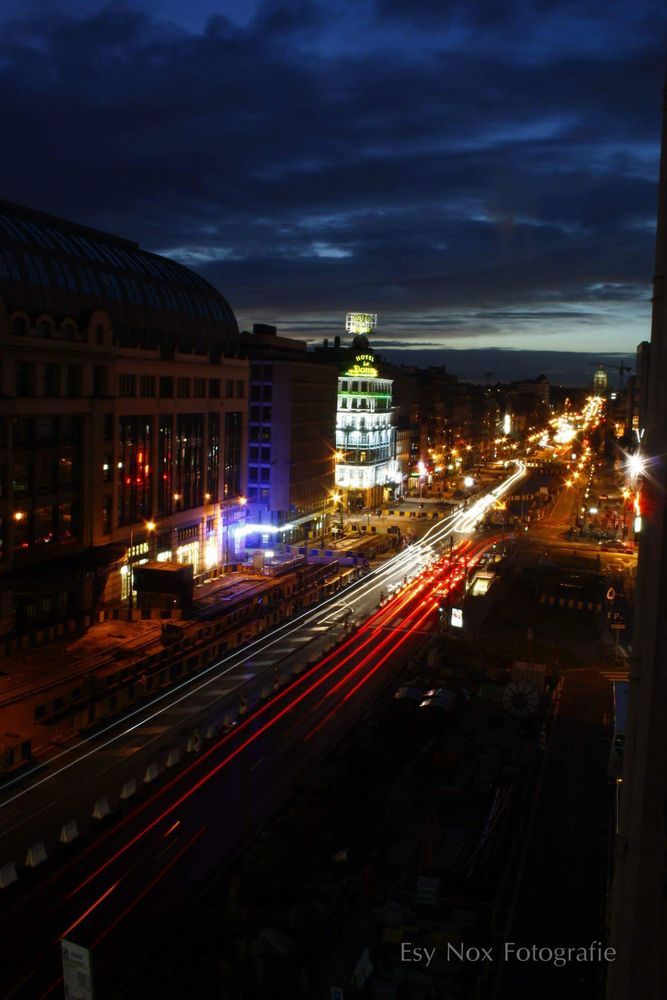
<point x="360" y="343"/>
<point x="600" y="380"/>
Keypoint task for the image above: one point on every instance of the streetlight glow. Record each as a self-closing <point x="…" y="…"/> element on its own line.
<point x="636" y="465"/>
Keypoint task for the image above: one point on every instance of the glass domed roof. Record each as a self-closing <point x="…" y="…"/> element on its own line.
<point x="48" y="265"/>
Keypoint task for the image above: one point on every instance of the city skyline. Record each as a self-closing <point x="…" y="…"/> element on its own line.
<point x="480" y="179"/>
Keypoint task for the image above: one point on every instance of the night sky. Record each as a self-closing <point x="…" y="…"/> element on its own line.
<point x="481" y="175"/>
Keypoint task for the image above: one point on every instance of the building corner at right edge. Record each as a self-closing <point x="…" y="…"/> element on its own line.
<point x="639" y="891"/>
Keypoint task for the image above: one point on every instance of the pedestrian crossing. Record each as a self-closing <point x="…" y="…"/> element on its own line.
<point x="615" y="675"/>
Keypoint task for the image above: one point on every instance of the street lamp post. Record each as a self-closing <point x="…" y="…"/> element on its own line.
<point x="338" y="501"/>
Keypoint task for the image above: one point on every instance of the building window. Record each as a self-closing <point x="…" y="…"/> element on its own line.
<point x="183" y="388"/>
<point x="213" y="463"/>
<point x="166" y="387"/>
<point x="127" y="386"/>
<point x="66" y="526"/>
<point x="45" y="433"/>
<point x="165" y="498"/>
<point x="189" y="475"/>
<point x="69" y="430"/>
<point x="267" y="393"/>
<point x="74" y="380"/>
<point x="65" y="472"/>
<point x="71" y="332"/>
<point x="21" y="533"/>
<point x="266" y="414"/>
<point x="254" y="454"/>
<point x="44" y="527"/>
<point x="107" y="468"/>
<point x="99" y="333"/>
<point x="100" y="381"/>
<point x="25" y="378"/>
<point x="229" y="388"/>
<point x="44" y="473"/>
<point x="214" y="388"/>
<point x="265" y="476"/>
<point x="107" y="515"/>
<point x="108" y="426"/>
<point x="19" y="326"/>
<point x="133" y="468"/>
<point x="199" y="388"/>
<point x="232" y="454"/>
<point x="51" y="380"/>
<point x="147" y="386"/>
<point x="240" y="389"/>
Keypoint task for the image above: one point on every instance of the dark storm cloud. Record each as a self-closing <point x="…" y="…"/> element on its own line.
<point x="477" y="170"/>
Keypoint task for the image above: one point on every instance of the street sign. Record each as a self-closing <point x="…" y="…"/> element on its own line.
<point x="618" y="625"/>
<point x="457" y="618"/>
<point x="77" y="971"/>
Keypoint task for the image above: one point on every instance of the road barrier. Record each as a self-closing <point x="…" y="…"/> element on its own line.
<point x="101" y="808"/>
<point x="174" y="757"/>
<point x="69" y="832"/>
<point x="151" y="774"/>
<point x="36" y="855"/>
<point x="129" y="789"/>
<point x="8" y="875"/>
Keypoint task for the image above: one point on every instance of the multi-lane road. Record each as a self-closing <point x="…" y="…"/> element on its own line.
<point x="126" y="875"/>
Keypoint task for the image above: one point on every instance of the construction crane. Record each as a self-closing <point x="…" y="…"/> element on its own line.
<point x="622" y="369"/>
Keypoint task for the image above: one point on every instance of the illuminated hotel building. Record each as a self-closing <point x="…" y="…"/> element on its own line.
<point x="366" y="466"/>
<point x="123" y="420"/>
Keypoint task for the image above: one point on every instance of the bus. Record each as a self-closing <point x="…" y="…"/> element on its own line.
<point x="620" y="694"/>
